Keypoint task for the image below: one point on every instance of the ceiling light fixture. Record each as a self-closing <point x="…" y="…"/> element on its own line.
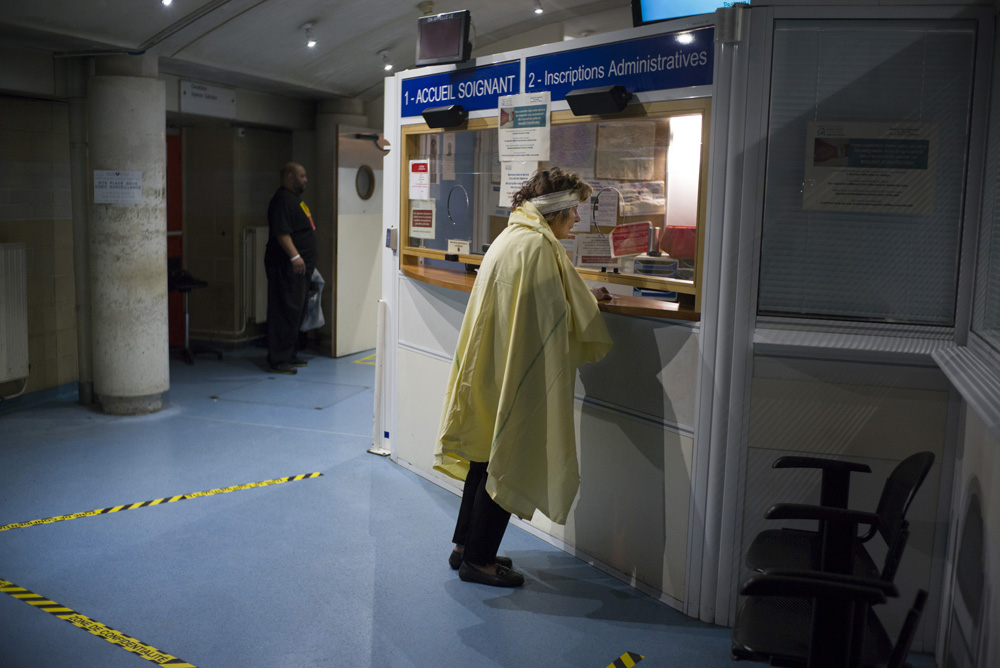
<point x="685" y="38"/>
<point x="308" y="28"/>
<point x="166" y="3"/>
<point x="386" y="63"/>
<point x="538" y="7"/>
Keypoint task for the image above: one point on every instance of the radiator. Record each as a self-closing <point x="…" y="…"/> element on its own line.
<point x="13" y="312"/>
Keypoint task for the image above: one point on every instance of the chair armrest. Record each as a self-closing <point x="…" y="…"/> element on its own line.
<point x="887" y="588"/>
<point x="760" y="584"/>
<point x="804" y="511"/>
<point x="836" y="484"/>
<point x="796" y="462"/>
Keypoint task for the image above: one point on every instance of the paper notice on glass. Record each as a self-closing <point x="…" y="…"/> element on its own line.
<point x="626" y="150"/>
<point x="643" y="198"/>
<point x="524" y="126"/>
<point x="420" y="179"/>
<point x="513" y="174"/>
<point x="609" y="204"/>
<point x="593" y="251"/>
<point x="448" y="157"/>
<point x="573" y="148"/>
<point x="870" y="167"/>
<point x="569" y="244"/>
<point x="630" y="239"/>
<point x="422" y="219"/>
<point x="113" y="187"/>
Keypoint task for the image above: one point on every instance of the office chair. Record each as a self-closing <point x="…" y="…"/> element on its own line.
<point x="842" y="617"/>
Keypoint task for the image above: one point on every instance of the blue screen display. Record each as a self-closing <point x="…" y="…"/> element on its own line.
<point x="649" y="11"/>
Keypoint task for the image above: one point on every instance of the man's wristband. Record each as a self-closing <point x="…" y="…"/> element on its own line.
<point x="294" y="258"/>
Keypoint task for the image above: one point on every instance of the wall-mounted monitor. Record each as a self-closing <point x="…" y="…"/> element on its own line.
<point x="652" y="11"/>
<point x="443" y="38"/>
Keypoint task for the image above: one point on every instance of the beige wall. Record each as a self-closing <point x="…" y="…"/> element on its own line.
<point x="35" y="210"/>
<point x="229" y="177"/>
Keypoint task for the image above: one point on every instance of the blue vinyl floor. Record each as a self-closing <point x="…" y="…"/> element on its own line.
<point x="345" y="569"/>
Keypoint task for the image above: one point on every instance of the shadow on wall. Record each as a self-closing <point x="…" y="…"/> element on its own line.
<point x="632" y="509"/>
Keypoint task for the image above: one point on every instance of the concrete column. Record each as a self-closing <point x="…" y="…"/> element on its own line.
<point x="128" y="253"/>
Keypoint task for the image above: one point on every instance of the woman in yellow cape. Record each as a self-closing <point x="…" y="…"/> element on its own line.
<point x="507" y="424"/>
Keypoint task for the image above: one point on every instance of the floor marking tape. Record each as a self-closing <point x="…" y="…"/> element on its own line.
<point x="156" y="502"/>
<point x="114" y="637"/>
<point x="626" y="660"/>
<point x="366" y="360"/>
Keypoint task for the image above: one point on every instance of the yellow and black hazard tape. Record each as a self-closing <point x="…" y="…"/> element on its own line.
<point x="129" y="643"/>
<point x="156" y="502"/>
<point x="626" y="660"/>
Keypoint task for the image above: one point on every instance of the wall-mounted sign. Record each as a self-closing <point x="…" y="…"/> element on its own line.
<point x="422" y="219"/>
<point x="474" y="88"/>
<point x="113" y="187"/>
<point x="873" y="167"/>
<point x="673" y="60"/>
<point x="420" y="179"/>
<point x="205" y="100"/>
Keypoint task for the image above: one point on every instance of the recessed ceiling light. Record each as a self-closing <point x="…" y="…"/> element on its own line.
<point x="538" y="7"/>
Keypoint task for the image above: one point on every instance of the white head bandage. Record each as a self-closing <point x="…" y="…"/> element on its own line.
<point x="557" y="201"/>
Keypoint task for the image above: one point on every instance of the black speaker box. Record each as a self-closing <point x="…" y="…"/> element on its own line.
<point x="445" y="117"/>
<point x="600" y="100"/>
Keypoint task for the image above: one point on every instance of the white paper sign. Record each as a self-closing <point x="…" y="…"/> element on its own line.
<point x="460" y="246"/>
<point x="199" y="98"/>
<point x="872" y="167"/>
<point x="422" y="219"/>
<point x="111" y="187"/>
<point x="512" y="177"/>
<point x="524" y="126"/>
<point x="420" y="179"/>
<point x="448" y="157"/>
<point x="594" y="251"/>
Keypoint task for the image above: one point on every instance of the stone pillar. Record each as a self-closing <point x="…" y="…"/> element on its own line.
<point x="128" y="253"/>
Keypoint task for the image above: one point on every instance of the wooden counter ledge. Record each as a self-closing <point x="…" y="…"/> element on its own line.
<point x="640" y="306"/>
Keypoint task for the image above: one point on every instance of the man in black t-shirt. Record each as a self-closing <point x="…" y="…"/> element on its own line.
<point x="289" y="260"/>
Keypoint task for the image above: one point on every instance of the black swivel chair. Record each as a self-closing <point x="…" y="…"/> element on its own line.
<point x="841" y="615"/>
<point x="776" y="628"/>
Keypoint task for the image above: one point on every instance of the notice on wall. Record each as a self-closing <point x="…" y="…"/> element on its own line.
<point x="594" y="251"/>
<point x="513" y="175"/>
<point x="448" y="157"/>
<point x="626" y="150"/>
<point x="113" y="187"/>
<point x="420" y="179"/>
<point x="870" y="167"/>
<point x="524" y="126"/>
<point x="422" y="219"/>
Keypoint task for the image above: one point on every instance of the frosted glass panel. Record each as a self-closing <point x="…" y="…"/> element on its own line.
<point x="871" y="233"/>
<point x="986" y="309"/>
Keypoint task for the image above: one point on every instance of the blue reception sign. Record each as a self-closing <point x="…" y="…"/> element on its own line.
<point x="474" y="88"/>
<point x="672" y="60"/>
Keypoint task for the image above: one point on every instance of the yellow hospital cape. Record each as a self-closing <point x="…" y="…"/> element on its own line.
<point x="531" y="321"/>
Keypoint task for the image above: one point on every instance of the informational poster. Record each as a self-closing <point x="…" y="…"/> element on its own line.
<point x="594" y="251"/>
<point x="630" y="239"/>
<point x="420" y="179"/>
<point x="513" y="174"/>
<point x="113" y="187"/>
<point x="569" y="244"/>
<point x="626" y="150"/>
<point x="422" y="219"/>
<point x="573" y="148"/>
<point x="524" y="127"/>
<point x="873" y="167"/>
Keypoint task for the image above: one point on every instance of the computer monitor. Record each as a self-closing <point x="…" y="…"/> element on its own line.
<point x="443" y="38"/>
<point x="653" y="11"/>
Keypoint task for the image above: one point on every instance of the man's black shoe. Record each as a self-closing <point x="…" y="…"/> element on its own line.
<point x="284" y="368"/>
<point x="299" y="362"/>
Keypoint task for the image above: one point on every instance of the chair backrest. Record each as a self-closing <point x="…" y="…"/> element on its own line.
<point x="897" y="494"/>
